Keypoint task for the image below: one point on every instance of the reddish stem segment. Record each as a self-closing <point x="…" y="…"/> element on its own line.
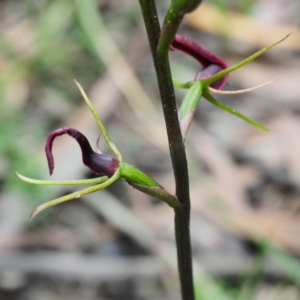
<point x="210" y="62"/>
<point x="101" y="164"/>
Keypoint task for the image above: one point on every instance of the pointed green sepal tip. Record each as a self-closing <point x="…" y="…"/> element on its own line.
<point x="188" y="107"/>
<point x="62" y="182"/>
<point x="102" y="128"/>
<point x="243" y="91"/>
<point x="210" y="80"/>
<point x="219" y="104"/>
<point x="77" y="194"/>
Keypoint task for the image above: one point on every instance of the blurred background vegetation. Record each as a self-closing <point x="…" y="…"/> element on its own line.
<point x="119" y="243"/>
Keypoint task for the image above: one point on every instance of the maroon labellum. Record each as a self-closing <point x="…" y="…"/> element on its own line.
<point x="101" y="164"/>
<point x="210" y="62"/>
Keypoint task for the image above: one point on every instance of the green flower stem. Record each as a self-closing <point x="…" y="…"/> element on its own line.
<point x="63" y="182"/>
<point x="219" y="104"/>
<point x="100" y="123"/>
<point x="162" y="66"/>
<point x="182" y="85"/>
<point x="210" y="80"/>
<point x="158" y="193"/>
<point x="147" y="185"/>
<point x="134" y="175"/>
<point x="176" y="145"/>
<point x="173" y="18"/>
<point x="77" y="194"/>
<point x="170" y="27"/>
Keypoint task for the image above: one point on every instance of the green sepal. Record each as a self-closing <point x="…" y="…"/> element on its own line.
<point x="191" y="99"/>
<point x="188" y="107"/>
<point x="63" y="182"/>
<point x="219" y="104"/>
<point x="77" y="194"/>
<point x="210" y="80"/>
<point x="99" y="122"/>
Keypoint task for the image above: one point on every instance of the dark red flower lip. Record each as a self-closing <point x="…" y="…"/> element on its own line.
<point x="101" y="164"/>
<point x="210" y="62"/>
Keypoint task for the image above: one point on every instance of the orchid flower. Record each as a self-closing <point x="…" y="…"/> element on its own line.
<point x="111" y="168"/>
<point x="210" y="80"/>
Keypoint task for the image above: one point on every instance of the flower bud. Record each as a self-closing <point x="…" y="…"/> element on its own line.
<point x="185" y="6"/>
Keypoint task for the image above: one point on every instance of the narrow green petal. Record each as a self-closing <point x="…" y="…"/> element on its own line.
<point x="77" y="194"/>
<point x="188" y="107"/>
<point x="191" y="99"/>
<point x="62" y="182"/>
<point x="237" y="92"/>
<point x="99" y="122"/>
<point x="212" y="100"/>
<point x="210" y="80"/>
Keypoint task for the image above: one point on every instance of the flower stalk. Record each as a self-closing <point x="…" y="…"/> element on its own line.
<point x="160" y="42"/>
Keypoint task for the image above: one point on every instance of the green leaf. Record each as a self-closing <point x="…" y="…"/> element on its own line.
<point x="212" y="100"/>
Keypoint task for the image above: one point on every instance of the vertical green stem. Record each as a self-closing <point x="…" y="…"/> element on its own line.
<point x="177" y="150"/>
